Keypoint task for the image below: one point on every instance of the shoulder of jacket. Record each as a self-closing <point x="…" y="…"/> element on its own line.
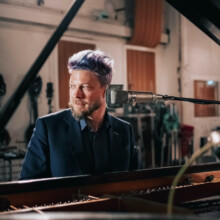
<point x="58" y="114"/>
<point x="115" y="120"/>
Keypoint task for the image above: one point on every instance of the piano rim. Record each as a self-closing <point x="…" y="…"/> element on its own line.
<point x="82" y="180"/>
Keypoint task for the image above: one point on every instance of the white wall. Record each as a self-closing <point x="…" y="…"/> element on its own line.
<point x="201" y="57"/>
<point x="167" y="60"/>
<point x="21" y="42"/>
<point x="18" y="52"/>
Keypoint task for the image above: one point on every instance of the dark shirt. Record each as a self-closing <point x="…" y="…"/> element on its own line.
<point x="96" y="144"/>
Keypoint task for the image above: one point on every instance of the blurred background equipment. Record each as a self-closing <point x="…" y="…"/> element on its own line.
<point x="33" y="92"/>
<point x="2" y="86"/>
<point x="10" y="156"/>
<point x="156" y="125"/>
<point x="49" y="95"/>
<point x="4" y="134"/>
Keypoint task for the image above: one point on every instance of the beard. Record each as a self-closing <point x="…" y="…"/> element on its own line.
<point x="87" y="110"/>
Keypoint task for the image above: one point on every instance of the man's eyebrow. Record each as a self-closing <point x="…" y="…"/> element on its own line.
<point x="83" y="84"/>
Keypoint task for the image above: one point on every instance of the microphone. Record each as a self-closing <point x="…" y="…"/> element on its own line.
<point x="132" y="97"/>
<point x="116" y="97"/>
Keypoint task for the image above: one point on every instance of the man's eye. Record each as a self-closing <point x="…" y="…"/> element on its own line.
<point x="72" y="86"/>
<point x="85" y="87"/>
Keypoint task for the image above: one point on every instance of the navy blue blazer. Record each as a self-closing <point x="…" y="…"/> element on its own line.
<point x="56" y="148"/>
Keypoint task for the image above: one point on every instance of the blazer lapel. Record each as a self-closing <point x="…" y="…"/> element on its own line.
<point x="74" y="141"/>
<point x="115" y="149"/>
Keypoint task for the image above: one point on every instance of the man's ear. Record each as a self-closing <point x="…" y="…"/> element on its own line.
<point x="105" y="89"/>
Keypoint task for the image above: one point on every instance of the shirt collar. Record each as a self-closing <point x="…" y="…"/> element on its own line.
<point x="83" y="124"/>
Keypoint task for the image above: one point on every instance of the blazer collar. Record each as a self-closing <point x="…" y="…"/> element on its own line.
<point x="74" y="141"/>
<point x="75" y="144"/>
<point x="116" y="146"/>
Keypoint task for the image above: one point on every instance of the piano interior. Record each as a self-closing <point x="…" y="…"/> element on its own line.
<point x="143" y="191"/>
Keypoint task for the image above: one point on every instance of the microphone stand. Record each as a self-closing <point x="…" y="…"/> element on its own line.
<point x="116" y="98"/>
<point x="195" y="101"/>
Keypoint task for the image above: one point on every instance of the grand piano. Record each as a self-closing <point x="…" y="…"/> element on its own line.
<point x="141" y="191"/>
<point x="140" y="194"/>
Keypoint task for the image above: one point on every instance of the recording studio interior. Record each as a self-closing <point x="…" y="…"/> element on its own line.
<point x="165" y="84"/>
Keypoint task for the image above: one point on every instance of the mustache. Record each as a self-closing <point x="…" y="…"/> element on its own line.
<point x="79" y="101"/>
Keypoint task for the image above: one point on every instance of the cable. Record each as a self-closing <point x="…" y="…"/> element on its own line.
<point x="189" y="162"/>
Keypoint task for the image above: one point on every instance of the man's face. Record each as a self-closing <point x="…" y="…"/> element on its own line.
<point x="86" y="93"/>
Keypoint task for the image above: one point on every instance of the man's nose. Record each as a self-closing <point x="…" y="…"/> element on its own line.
<point x="78" y="93"/>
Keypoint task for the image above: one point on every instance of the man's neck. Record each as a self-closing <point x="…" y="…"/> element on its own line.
<point x="95" y="120"/>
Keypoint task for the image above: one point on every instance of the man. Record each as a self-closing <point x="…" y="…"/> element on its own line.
<point x="84" y="139"/>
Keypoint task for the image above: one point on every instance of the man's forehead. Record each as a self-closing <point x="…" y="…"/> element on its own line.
<point x="84" y="81"/>
<point x="83" y="77"/>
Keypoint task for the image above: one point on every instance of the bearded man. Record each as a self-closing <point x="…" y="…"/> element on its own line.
<point x="84" y="139"/>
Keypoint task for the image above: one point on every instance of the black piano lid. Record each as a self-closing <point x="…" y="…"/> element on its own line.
<point x="205" y="14"/>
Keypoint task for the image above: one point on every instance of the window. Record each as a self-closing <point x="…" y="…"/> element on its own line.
<point x="205" y="90"/>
